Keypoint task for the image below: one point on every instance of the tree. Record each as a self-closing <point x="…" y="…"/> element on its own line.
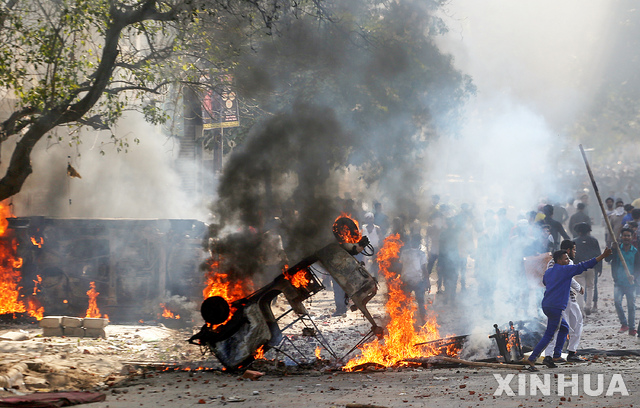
<point x="84" y="62"/>
<point x="75" y="62"/>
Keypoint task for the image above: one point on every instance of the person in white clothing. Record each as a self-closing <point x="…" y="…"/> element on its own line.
<point x="572" y="314"/>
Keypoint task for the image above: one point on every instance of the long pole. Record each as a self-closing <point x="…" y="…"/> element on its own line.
<point x="604" y="214"/>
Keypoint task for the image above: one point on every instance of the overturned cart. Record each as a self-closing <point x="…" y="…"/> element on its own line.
<point x="235" y="332"/>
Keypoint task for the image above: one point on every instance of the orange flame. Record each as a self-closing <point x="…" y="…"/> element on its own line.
<point x="399" y="343"/>
<point x="92" y="310"/>
<point x="511" y="341"/>
<point x="219" y="284"/>
<point x="37" y="242"/>
<point x="10" y="266"/>
<point x="35" y="310"/>
<point x="168" y="314"/>
<point x="318" y="352"/>
<point x="259" y="354"/>
<point x="344" y="233"/>
<point x="299" y="279"/>
<point x="36" y="282"/>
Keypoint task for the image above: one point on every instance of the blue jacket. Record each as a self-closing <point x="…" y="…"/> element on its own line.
<point x="558" y="283"/>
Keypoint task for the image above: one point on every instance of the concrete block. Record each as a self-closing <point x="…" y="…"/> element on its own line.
<point x="51" y="322"/>
<point x="95" y="323"/>
<point x="95" y="333"/>
<point x="73" y="331"/>
<point x="71" y="321"/>
<point x="52" y="332"/>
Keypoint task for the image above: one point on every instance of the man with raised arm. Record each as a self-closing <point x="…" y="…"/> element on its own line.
<point x="557" y="281"/>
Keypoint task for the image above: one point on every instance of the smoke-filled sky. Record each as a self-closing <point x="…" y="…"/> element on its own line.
<point x="545" y="55"/>
<point x="536" y="66"/>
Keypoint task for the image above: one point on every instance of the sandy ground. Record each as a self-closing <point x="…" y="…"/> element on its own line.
<point x="114" y="366"/>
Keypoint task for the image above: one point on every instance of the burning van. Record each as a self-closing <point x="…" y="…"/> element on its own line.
<point x="130" y="263"/>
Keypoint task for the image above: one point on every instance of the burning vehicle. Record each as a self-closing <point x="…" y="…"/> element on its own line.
<point x="242" y="328"/>
<point x="236" y="331"/>
<point x="128" y="262"/>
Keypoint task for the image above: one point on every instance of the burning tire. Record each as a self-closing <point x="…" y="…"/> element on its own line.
<point x="215" y="310"/>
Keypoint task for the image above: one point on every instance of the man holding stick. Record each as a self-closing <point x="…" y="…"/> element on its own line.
<point x="572" y="313"/>
<point x="556" y="296"/>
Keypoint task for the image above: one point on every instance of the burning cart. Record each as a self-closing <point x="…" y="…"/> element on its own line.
<point x="234" y="332"/>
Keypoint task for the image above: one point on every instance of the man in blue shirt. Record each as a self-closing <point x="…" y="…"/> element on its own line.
<point x="622" y="285"/>
<point x="557" y="281"/>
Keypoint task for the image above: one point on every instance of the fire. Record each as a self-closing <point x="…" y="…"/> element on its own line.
<point x="259" y="353"/>
<point x="511" y="341"/>
<point x="219" y="284"/>
<point x="10" y="266"/>
<point x="92" y="310"/>
<point x="168" y="314"/>
<point x="318" y="352"/>
<point x="299" y="279"/>
<point x="36" y="282"/>
<point x="35" y="310"/>
<point x="399" y="343"/>
<point x="344" y="232"/>
<point x="37" y="242"/>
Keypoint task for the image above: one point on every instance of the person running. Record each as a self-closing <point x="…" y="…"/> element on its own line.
<point x="556" y="296"/>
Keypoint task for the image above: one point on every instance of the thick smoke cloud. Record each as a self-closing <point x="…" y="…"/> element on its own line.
<point x="345" y="100"/>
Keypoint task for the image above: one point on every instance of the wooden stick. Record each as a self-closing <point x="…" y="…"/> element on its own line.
<point x="606" y="219"/>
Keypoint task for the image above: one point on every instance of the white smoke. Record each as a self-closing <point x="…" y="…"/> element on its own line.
<point x="139" y="183"/>
<point x="535" y="66"/>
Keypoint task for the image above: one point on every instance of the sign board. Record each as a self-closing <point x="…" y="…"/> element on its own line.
<point x="220" y="109"/>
